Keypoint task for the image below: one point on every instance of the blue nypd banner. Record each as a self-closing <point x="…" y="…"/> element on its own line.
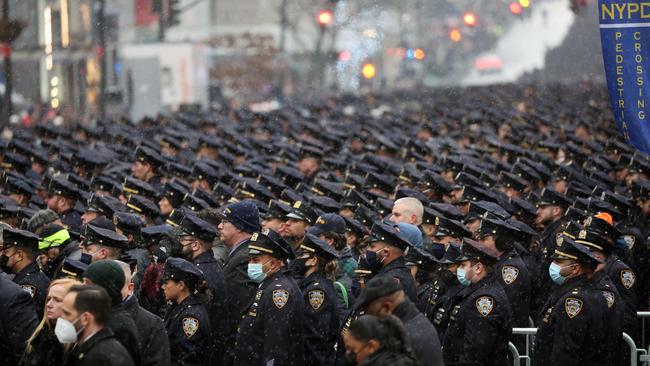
<point x="625" y="37"/>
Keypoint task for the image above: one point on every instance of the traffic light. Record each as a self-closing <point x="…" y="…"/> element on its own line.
<point x="325" y="18"/>
<point x="455" y="35"/>
<point x="368" y="71"/>
<point x="515" y="8"/>
<point x="174" y="13"/>
<point x="469" y="19"/>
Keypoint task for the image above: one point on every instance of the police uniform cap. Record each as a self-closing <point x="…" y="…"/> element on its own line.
<point x="179" y="269"/>
<point x="513" y="181"/>
<point x="495" y="227"/>
<point x="420" y="257"/>
<point x="312" y="244"/>
<point x="271" y="183"/>
<point x="567" y="248"/>
<point x="452" y="255"/>
<point x="356" y="227"/>
<point x="382" y="182"/>
<point x="153" y="234"/>
<point x="15" y="161"/>
<point x="143" y="205"/>
<point x="353" y="198"/>
<point x="593" y="240"/>
<point x="550" y="197"/>
<point x="92" y="234"/>
<point x="473" y="193"/>
<point x="20" y="238"/>
<point x="9" y="210"/>
<point x="203" y="171"/>
<point x="290" y="176"/>
<point x="194" y="203"/>
<point x="270" y="243"/>
<point x="453" y="228"/>
<point x="63" y="188"/>
<point x="103" y="183"/>
<point x="176" y="217"/>
<point x="387" y="232"/>
<point x="276" y="210"/>
<point x="195" y="227"/>
<point x="148" y="155"/>
<point x="302" y="211"/>
<point x="436" y="182"/>
<point x="376" y="288"/>
<point x="18" y="186"/>
<point x="105" y="205"/>
<point x="174" y="192"/>
<point x="177" y="170"/>
<point x="326" y="223"/>
<point x="129" y="223"/>
<point x="482" y="209"/>
<point x="72" y="268"/>
<point x="474" y="251"/>
<point x="134" y="186"/>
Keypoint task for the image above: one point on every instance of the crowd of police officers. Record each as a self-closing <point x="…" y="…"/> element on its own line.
<point x="416" y="228"/>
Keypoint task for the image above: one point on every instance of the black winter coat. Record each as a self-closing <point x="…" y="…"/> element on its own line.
<point x="152" y="336"/>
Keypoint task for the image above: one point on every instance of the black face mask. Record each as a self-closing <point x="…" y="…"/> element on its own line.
<point x="300" y="266"/>
<point x="4" y="259"/>
<point x="86" y="258"/>
<point x="447" y="277"/>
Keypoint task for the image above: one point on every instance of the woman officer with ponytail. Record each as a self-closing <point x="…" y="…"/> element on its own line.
<point x="318" y="264"/>
<point x="186" y="320"/>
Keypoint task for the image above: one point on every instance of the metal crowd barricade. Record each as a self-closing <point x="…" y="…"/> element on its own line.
<point x="636" y="354"/>
<point x="643" y="315"/>
<point x="517" y="357"/>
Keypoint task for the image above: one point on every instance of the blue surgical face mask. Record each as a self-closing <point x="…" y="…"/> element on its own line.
<point x="461" y="274"/>
<point x="373" y="260"/>
<point x="554" y="271"/>
<point x="256" y="272"/>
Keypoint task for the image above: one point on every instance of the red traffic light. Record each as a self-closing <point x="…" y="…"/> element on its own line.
<point x="325" y="17"/>
<point x="515" y="8"/>
<point x="469" y="19"/>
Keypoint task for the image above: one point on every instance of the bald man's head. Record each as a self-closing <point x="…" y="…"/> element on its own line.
<point x="408" y="210"/>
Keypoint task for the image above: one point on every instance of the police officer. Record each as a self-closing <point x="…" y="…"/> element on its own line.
<point x="146" y="165"/>
<point x="550" y="217"/>
<point x="318" y="264"/>
<point x="186" y="321"/>
<point x="196" y="237"/>
<point x="131" y="225"/>
<point x="62" y="197"/>
<point x="20" y="253"/>
<point x="17" y="320"/>
<point x="511" y="272"/>
<point x="385" y="255"/>
<point x="574" y="326"/>
<point x="598" y="237"/>
<point x="271" y="331"/>
<point x="480" y="323"/>
<point x="437" y="302"/>
<point x="616" y="304"/>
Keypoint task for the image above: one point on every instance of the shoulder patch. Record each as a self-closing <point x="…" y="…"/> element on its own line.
<point x="190" y="326"/>
<point x="316" y="298"/>
<point x="509" y="274"/>
<point x="280" y="298"/>
<point x="627" y="278"/>
<point x="31" y="290"/>
<point x="485" y="305"/>
<point x="573" y="307"/>
<point x="609" y="296"/>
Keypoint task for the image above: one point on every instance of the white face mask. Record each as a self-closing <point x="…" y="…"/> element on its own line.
<point x="65" y="331"/>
